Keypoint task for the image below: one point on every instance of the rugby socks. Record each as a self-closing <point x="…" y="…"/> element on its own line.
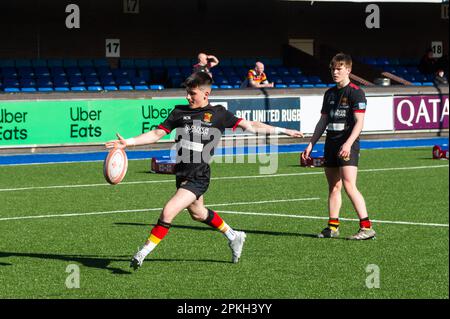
<point x="215" y="221"/>
<point x="365" y="223"/>
<point x="156" y="235"/>
<point x="333" y="224"/>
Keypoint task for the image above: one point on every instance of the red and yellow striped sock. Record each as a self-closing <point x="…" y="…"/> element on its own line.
<point x="215" y="221"/>
<point x="333" y="223"/>
<point x="156" y="235"/>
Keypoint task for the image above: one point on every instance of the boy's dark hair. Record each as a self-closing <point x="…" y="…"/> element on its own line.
<point x="198" y="79"/>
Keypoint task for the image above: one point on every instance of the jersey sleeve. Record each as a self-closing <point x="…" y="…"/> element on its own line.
<point x="170" y="122"/>
<point x="324" y="109"/>
<point x="230" y="120"/>
<point x="358" y="101"/>
<point x="250" y="75"/>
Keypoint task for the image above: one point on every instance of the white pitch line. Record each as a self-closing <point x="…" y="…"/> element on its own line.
<point x="218" y="178"/>
<point x="326" y="218"/>
<point x="153" y="209"/>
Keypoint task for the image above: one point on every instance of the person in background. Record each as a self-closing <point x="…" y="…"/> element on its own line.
<point x="256" y="78"/>
<point x="440" y="78"/>
<point x="205" y="63"/>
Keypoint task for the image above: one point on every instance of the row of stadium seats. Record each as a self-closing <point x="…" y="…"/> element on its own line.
<point x="406" y="68"/>
<point x="133" y="63"/>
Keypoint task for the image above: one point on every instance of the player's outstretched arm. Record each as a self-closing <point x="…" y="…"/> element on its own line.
<point x="318" y="131"/>
<point x="258" y="127"/>
<point x="143" y="139"/>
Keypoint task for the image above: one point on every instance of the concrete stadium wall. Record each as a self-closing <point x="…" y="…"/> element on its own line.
<point x="223" y="27"/>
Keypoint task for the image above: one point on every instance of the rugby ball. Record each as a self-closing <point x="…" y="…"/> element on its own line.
<point x="115" y="166"/>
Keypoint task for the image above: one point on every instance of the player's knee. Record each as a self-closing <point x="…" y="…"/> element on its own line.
<point x="335" y="188"/>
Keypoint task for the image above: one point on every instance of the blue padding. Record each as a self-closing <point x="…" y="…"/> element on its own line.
<point x="45" y="89"/>
<point x="28" y="89"/>
<point x="141" y="87"/>
<point x="95" y="88"/>
<point x="156" y="87"/>
<point x="78" y="88"/>
<point x="125" y="88"/>
<point x="12" y="90"/>
<point x="110" y="88"/>
<point x="61" y="89"/>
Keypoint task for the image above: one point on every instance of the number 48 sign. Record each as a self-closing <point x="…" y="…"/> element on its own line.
<point x="112" y="48"/>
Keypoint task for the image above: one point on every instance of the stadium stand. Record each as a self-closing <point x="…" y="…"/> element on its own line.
<point x="62" y="75"/>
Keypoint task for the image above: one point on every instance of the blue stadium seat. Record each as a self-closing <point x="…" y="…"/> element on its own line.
<point x="107" y="81"/>
<point x="51" y="63"/>
<point x="44" y="82"/>
<point x="382" y="61"/>
<point x="330" y="85"/>
<point x="92" y="81"/>
<point x="281" y="70"/>
<point x="281" y="86"/>
<point x="28" y="89"/>
<point x="127" y="63"/>
<point x="85" y="63"/>
<point x="123" y="82"/>
<point x="25" y="72"/>
<point x="9" y="72"/>
<point x="184" y="62"/>
<point x="401" y="70"/>
<point x="70" y="63"/>
<point x="78" y="88"/>
<point x="413" y="70"/>
<point x="394" y="61"/>
<point x="60" y="82"/>
<point x="187" y="70"/>
<point x="389" y="68"/>
<point x="45" y="89"/>
<point x="158" y="74"/>
<point x="275" y="62"/>
<point x="238" y="62"/>
<point x="301" y="79"/>
<point x="154" y="62"/>
<point x="288" y="79"/>
<point x="320" y="85"/>
<point x="104" y="71"/>
<point x="229" y="71"/>
<point x="416" y="83"/>
<point x="277" y="79"/>
<point x="225" y="86"/>
<point x="314" y="79"/>
<point x="156" y="87"/>
<point x="110" y="87"/>
<point x="307" y="86"/>
<point x="61" y="89"/>
<point x="11" y="83"/>
<point x="170" y="62"/>
<point x="141" y="63"/>
<point x="101" y="63"/>
<point x="73" y="71"/>
<point x="294" y="71"/>
<point x="427" y="84"/>
<point x="138" y="81"/>
<point x="409" y="77"/>
<point x="234" y="80"/>
<point x="57" y="71"/>
<point x="221" y="80"/>
<point x="11" y="90"/>
<point x="7" y="63"/>
<point x="41" y="71"/>
<point x="20" y="63"/>
<point x="224" y="62"/>
<point x="294" y="86"/>
<point x="125" y="88"/>
<point x="141" y="87"/>
<point x="144" y="73"/>
<point x="27" y="83"/>
<point x="173" y="71"/>
<point x="214" y="86"/>
<point x="88" y="71"/>
<point x="271" y="72"/>
<point x="94" y="88"/>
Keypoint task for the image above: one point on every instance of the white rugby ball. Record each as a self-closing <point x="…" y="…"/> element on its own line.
<point x="115" y="166"/>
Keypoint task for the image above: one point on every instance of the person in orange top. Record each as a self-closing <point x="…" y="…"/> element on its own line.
<point x="256" y="78"/>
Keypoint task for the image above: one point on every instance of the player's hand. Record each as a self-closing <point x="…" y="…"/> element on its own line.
<point x="344" y="151"/>
<point x="294" y="133"/>
<point x="307" y="152"/>
<point x="271" y="85"/>
<point x="120" y="143"/>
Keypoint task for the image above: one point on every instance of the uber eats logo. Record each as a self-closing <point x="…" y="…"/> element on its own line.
<point x="7" y="120"/>
<point x="83" y="126"/>
<point x="157" y="115"/>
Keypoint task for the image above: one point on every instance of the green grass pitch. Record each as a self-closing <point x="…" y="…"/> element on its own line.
<point x="281" y="215"/>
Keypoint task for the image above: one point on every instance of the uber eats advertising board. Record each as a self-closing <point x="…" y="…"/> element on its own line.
<point x="79" y="121"/>
<point x="71" y="122"/>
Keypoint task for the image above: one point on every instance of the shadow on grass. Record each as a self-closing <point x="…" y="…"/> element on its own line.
<point x="88" y="261"/>
<point x="248" y="231"/>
